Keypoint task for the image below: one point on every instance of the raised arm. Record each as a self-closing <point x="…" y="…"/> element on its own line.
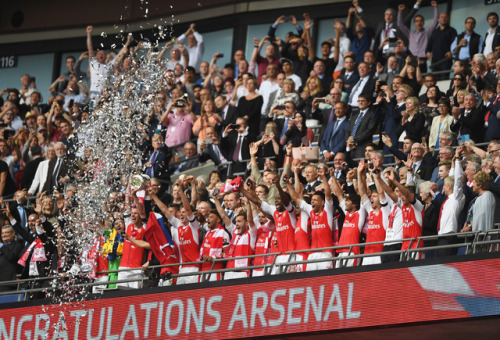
<point x="90" y="47"/>
<point x="163" y="208"/>
<point x="222" y="212"/>
<point x="296" y="196"/>
<point x="184" y="199"/>
<point x="362" y="180"/>
<point x="392" y="176"/>
<point x="337" y="191"/>
<point x="284" y="198"/>
<point x="252" y="197"/>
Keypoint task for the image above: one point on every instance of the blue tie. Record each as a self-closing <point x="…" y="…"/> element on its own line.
<point x="356" y="123"/>
<point x="150" y="170"/>
<point x="284" y="128"/>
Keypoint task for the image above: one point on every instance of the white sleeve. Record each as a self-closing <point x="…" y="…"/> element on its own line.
<point x="194" y="223"/>
<point x="418" y="206"/>
<point x="362" y="214"/>
<point x="267" y="208"/>
<point x="253" y="236"/>
<point x="329" y="208"/>
<point x="174" y="221"/>
<point x="365" y="205"/>
<point x="304" y="206"/>
<point x="342" y="205"/>
<point x="230" y="228"/>
<point x="256" y="221"/>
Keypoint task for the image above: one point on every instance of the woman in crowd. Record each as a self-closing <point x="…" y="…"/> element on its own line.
<point x="459" y="83"/>
<point x="269" y="142"/>
<point x="208" y="117"/>
<point x="440" y="124"/>
<point x="313" y="89"/>
<point x="412" y="121"/>
<point x="288" y="93"/>
<point x="411" y="75"/>
<point x="430" y="107"/>
<point x="250" y="106"/>
<point x="297" y="130"/>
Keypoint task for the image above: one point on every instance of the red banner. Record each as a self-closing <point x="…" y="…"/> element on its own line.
<point x="372" y="298"/>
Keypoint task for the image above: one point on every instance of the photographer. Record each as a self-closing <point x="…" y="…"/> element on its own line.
<point x="179" y="120"/>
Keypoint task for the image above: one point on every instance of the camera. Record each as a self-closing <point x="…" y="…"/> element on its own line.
<point x="179" y="103"/>
<point x="235" y="126"/>
<point x="208" y="141"/>
<point x="280" y="107"/>
<point x="215" y="192"/>
<point x="220" y="55"/>
<point x="320" y="100"/>
<point x="371" y="166"/>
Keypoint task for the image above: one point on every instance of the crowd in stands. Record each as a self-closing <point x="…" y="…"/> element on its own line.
<point x="397" y="156"/>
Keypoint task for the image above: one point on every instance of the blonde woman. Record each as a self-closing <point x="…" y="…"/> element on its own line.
<point x="412" y="121"/>
<point x="440" y="124"/>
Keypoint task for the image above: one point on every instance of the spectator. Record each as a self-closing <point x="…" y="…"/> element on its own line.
<point x="250" y="107"/>
<point x="438" y="48"/>
<point x="467" y="43"/>
<point x="360" y="36"/>
<point x="481" y="212"/>
<point x="440" y="124"/>
<point x="419" y="38"/>
<point x="195" y="47"/>
<point x="492" y="37"/>
<point x="264" y="62"/>
<point x="361" y="128"/>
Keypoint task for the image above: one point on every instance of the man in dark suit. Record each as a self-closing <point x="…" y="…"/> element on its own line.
<point x="349" y="73"/>
<point x="10" y="252"/>
<point x="365" y="84"/>
<point x="470" y="121"/>
<point x="188" y="161"/>
<point x="227" y="112"/>
<point x="326" y="116"/>
<point x="422" y="165"/>
<point x="492" y="36"/>
<point x="157" y="160"/>
<point x="210" y="149"/>
<point x="333" y="139"/>
<point x="30" y="168"/>
<point x="491" y="101"/>
<point x="361" y="127"/>
<point x="236" y="145"/>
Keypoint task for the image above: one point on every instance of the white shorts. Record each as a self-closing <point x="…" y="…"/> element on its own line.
<point x="350" y="262"/>
<point x="98" y="289"/>
<point x="187" y="279"/>
<point x="234" y="275"/>
<point x="128" y="275"/>
<point x="319" y="265"/>
<point x="284" y="259"/>
<point x="371" y="260"/>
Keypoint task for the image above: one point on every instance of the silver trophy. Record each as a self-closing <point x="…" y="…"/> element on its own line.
<point x="138" y="182"/>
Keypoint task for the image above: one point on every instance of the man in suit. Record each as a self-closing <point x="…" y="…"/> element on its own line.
<point x="311" y="178"/>
<point x="422" y="165"/>
<point x="31" y="167"/>
<point x="326" y="116"/>
<point x="158" y="159"/>
<point x="349" y="73"/>
<point x="361" y="127"/>
<point x="333" y="139"/>
<point x="210" y="149"/>
<point x="236" y="145"/>
<point x="42" y="172"/>
<point x="187" y="162"/>
<point x="365" y="84"/>
<point x="280" y="78"/>
<point x="339" y="166"/>
<point x="390" y="71"/>
<point x="9" y="255"/>
<point x="284" y="117"/>
<point x="226" y="111"/>
<point x="470" y="121"/>
<point x="491" y="101"/>
<point x="492" y="37"/>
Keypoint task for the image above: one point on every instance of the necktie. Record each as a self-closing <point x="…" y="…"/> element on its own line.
<point x="496" y="179"/>
<point x="356" y="123"/>
<point x="285" y="128"/>
<point x="150" y="170"/>
<point x="56" y="171"/>
<point x="337" y="174"/>
<point x="332" y="115"/>
<point x="440" y="212"/>
<point x="353" y="93"/>
<point x="335" y="127"/>
<point x="22" y="214"/>
<point x="236" y="153"/>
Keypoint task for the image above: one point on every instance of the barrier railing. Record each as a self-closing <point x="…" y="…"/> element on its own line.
<point x="480" y="242"/>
